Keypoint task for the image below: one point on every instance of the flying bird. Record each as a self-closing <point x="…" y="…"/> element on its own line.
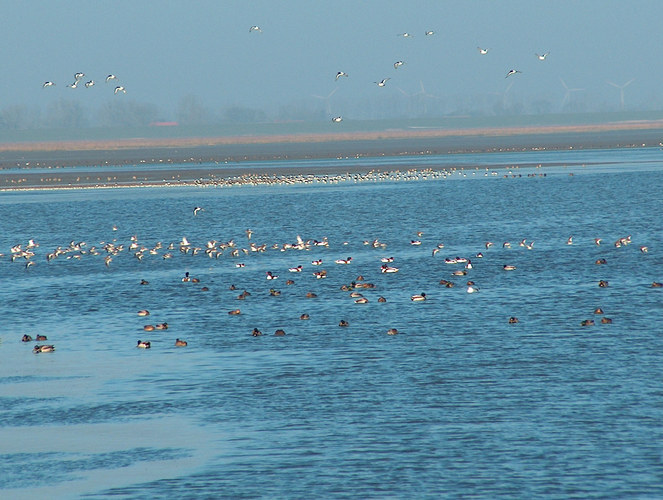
<point x="429" y="33"/>
<point x="110" y="77"/>
<point x="255" y="28"/>
<point x="398" y="64"/>
<point x="340" y="74"/>
<point x="337" y="119"/>
<point x="542" y="57"/>
<point x="197" y="209"/>
<point x="382" y="83"/>
<point x="119" y="89"/>
<point x="48" y="84"/>
<point x="73" y="85"/>
<point x="483" y="52"/>
<point x="512" y="72"/>
<point x="89" y="84"/>
<point x="79" y="76"/>
<point x="405" y="35"/>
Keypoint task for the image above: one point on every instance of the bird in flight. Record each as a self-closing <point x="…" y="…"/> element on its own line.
<point x="405" y="35"/>
<point x="255" y="28"/>
<point x="383" y="82"/>
<point x="337" y="119"/>
<point x="429" y="33"/>
<point x="79" y="76"/>
<point x="483" y="52"/>
<point x="119" y="89"/>
<point x="197" y="209"/>
<point x="398" y="64"/>
<point x="542" y="57"/>
<point x="512" y="72"/>
<point x="47" y="84"/>
<point x="340" y="74"/>
<point x="110" y="77"/>
<point x="89" y="84"/>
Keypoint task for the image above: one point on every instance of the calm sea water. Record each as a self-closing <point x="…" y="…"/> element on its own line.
<point x="459" y="404"/>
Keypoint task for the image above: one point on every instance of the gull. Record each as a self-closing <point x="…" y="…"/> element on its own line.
<point x="119" y="89"/>
<point x="512" y="72"/>
<point x="429" y="33"/>
<point x="48" y="84"/>
<point x="483" y="52"/>
<point x="337" y="119"/>
<point x="542" y="57"/>
<point x="89" y="84"/>
<point x="197" y="209"/>
<point x="405" y="35"/>
<point x="398" y="64"/>
<point x="111" y="77"/>
<point x="340" y="74"/>
<point x="383" y="82"/>
<point x="255" y="28"/>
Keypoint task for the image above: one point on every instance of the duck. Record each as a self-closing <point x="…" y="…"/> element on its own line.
<point x="234" y="312"/>
<point x="587" y="322"/>
<point x="361" y="300"/>
<point x="143" y="344"/>
<point x="656" y="284"/>
<point x="448" y="284"/>
<point x="603" y="284"/>
<point x="41" y="338"/>
<point x="271" y="276"/>
<point x="388" y="269"/>
<point x="148" y="328"/>
<point x="143" y="312"/>
<point x="387" y="259"/>
<point x="343" y="323"/>
<point x="161" y="326"/>
<point x="311" y="295"/>
<point x="26" y="338"/>
<point x="392" y="331"/>
<point x="598" y="310"/>
<point x="508" y="267"/>
<point x="279" y="332"/>
<point x="180" y="343"/>
<point x="316" y="262"/>
<point x="418" y="298"/>
<point x="343" y="261"/>
<point x="382" y="299"/>
<point x="606" y="321"/>
<point x="43" y="348"/>
<point x="297" y="269"/>
<point x="471" y="288"/>
<point x="304" y="316"/>
<point x="601" y="261"/>
<point x="274" y="293"/>
<point x="513" y="320"/>
<point x="144" y="282"/>
<point x="356" y="295"/>
<point x="289" y="282"/>
<point x="256" y="333"/>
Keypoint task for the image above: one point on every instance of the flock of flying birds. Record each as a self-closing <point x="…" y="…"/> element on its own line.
<point x="383" y="82"/>
<point x="78" y="78"/>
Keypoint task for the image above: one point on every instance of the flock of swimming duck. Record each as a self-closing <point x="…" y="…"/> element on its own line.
<point x="107" y="251"/>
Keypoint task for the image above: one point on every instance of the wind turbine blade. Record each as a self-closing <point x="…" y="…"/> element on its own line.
<point x="563" y="83"/>
<point x="614" y="85"/>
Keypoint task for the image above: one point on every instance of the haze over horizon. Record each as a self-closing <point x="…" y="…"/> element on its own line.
<point x="199" y="61"/>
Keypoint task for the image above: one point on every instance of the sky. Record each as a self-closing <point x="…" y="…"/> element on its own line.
<point x="163" y="51"/>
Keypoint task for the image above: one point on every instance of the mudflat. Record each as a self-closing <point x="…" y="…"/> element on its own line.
<point x="139" y="160"/>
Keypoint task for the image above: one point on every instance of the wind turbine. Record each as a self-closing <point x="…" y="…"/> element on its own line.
<point x="621" y="91"/>
<point x="423" y="96"/>
<point x="569" y="91"/>
<point x="326" y="99"/>
<point x="504" y="94"/>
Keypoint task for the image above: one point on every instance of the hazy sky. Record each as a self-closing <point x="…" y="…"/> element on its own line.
<point x="165" y="50"/>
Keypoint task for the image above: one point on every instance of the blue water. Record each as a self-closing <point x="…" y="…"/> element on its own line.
<point x="459" y="404"/>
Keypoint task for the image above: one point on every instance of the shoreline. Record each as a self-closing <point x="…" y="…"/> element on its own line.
<point x="143" y="162"/>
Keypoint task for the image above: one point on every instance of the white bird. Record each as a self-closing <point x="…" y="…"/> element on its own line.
<point x="110" y="77"/>
<point x="89" y="84"/>
<point x="542" y="57"/>
<point x="398" y="64"/>
<point x="383" y="82"/>
<point x="405" y="35"/>
<point x="73" y="85"/>
<point x="48" y="84"/>
<point x="337" y="119"/>
<point x="340" y="74"/>
<point x="483" y="52"/>
<point x="255" y="28"/>
<point x="512" y="72"/>
<point x="197" y="209"/>
<point x="429" y="33"/>
<point x="79" y="76"/>
<point x="119" y="89"/>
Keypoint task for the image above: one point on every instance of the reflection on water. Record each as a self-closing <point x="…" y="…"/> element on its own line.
<point x="460" y="403"/>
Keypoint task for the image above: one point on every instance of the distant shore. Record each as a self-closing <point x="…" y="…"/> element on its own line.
<point x="137" y="161"/>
